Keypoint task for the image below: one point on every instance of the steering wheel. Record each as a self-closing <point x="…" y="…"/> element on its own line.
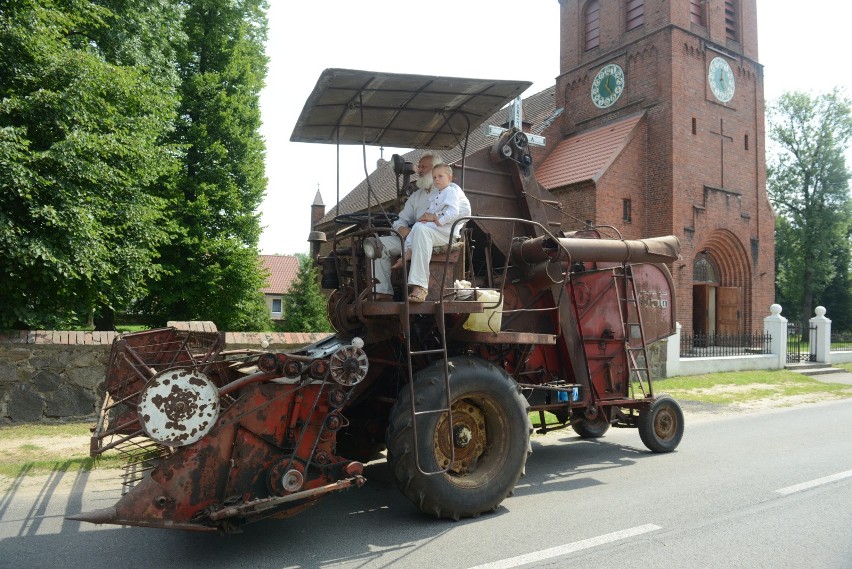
<point x="378" y="219"/>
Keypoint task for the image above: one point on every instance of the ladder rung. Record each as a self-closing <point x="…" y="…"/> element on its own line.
<point x="424" y="352"/>
<point x="430" y="412"/>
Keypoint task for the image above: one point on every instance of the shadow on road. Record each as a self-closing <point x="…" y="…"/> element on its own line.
<point x="354" y="528"/>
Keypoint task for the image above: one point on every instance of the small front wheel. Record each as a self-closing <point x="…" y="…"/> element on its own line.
<point x="661" y="425"/>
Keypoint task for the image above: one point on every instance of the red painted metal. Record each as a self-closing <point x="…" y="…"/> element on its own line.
<point x="577" y="311"/>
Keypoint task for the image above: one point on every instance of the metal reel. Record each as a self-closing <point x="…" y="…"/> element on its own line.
<point x="177" y="407"/>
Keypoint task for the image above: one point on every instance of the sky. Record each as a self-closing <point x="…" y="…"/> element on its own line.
<point x="489" y="39"/>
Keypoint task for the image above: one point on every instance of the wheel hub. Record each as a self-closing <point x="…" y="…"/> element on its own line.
<point x="469" y="438"/>
<point x="665" y="424"/>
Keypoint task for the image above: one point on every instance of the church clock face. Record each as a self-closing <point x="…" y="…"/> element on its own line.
<point x="721" y="79"/>
<point x="607" y="86"/>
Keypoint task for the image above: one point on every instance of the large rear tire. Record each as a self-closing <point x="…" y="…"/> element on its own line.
<point x="490" y="442"/>
<point x="661" y="425"/>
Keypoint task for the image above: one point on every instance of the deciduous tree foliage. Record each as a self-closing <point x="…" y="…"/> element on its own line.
<point x="86" y="99"/>
<point x="210" y="260"/>
<point x="304" y="306"/>
<point x="808" y="183"/>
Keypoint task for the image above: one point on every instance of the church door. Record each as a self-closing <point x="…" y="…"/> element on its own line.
<point x="728" y="310"/>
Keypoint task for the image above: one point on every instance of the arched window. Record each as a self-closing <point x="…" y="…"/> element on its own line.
<point x="635" y="14"/>
<point x="696" y="12"/>
<point x="704" y="270"/>
<point x="732" y="20"/>
<point x="592" y="25"/>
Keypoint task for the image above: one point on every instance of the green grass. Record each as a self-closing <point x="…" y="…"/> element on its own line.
<point x="748" y="386"/>
<point x="40" y="449"/>
<point x="25" y="431"/>
<point x="16" y="469"/>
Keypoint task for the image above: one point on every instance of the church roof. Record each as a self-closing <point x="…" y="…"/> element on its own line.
<point x="282" y="272"/>
<point x="586" y="155"/>
<point x="382" y="181"/>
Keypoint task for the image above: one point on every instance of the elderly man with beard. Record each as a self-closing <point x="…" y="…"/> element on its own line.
<point x="415" y="207"/>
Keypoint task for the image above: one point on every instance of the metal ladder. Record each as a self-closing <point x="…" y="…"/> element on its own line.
<point x="628" y="307"/>
<point x="405" y="323"/>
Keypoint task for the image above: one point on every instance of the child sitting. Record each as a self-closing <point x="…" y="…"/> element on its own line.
<point x="444" y="201"/>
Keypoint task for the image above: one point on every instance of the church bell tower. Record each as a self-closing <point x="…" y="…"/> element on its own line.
<point x="663" y="133"/>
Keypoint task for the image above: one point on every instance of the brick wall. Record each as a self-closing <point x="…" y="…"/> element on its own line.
<point x="58" y="375"/>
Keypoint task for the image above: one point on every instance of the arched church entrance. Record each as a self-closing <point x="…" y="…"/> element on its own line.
<point x="721" y="286"/>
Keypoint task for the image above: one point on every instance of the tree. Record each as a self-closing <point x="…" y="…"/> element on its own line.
<point x="210" y="261"/>
<point x="82" y="122"/>
<point x="304" y="306"/>
<point x="837" y="296"/>
<point x="808" y="183"/>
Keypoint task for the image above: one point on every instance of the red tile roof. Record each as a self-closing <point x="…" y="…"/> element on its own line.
<point x="282" y="272"/>
<point x="587" y="155"/>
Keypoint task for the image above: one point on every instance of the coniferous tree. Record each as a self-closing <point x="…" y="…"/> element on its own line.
<point x="304" y="306"/>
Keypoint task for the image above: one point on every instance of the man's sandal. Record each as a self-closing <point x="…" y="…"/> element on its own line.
<point x="418" y="294"/>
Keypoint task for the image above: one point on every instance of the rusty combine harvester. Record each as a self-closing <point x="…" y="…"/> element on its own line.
<point x="559" y="323"/>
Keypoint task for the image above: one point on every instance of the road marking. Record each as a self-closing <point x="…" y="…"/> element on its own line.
<point x="812" y="483"/>
<point x="567" y="548"/>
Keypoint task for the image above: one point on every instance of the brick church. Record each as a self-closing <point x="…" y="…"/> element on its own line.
<point x="656" y="126"/>
<point x="663" y="133"/>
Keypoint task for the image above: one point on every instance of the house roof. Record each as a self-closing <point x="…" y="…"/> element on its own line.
<point x="586" y="155"/>
<point x="282" y="272"/>
<point x="538" y="111"/>
<point x="349" y="106"/>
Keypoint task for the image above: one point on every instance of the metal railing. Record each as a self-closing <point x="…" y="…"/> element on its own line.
<point x="841" y="341"/>
<point x="717" y="345"/>
<point x="798" y="344"/>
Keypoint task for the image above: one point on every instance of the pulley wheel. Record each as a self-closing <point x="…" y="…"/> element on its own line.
<point x="349" y="365"/>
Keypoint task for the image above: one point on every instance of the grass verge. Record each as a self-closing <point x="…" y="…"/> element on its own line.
<point x="749" y="388"/>
<point x="41" y="449"/>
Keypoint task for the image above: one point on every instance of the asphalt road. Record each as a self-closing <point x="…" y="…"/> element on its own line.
<point x="772" y="489"/>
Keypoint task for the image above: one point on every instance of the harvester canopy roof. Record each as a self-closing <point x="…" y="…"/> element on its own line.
<point x="348" y="106"/>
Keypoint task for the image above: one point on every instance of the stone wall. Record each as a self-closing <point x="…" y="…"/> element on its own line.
<point x="48" y="376"/>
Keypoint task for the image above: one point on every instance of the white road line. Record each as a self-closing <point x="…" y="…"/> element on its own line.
<point x="812" y="483"/>
<point x="567" y="548"/>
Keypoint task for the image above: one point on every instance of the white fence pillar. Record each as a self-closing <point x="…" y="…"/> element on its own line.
<point x="776" y="326"/>
<point x="820" y="336"/>
<point x="673" y="353"/>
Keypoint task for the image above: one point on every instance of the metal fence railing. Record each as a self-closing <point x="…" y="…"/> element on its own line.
<point x="799" y="343"/>
<point x="714" y="345"/>
<point x="841" y="341"/>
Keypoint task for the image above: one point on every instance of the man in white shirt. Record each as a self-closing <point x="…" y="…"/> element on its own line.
<point x="417" y="205"/>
